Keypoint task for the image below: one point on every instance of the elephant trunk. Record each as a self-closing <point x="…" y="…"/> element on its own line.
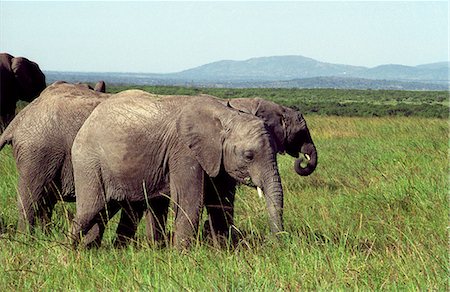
<point x="273" y="193"/>
<point x="306" y="164"/>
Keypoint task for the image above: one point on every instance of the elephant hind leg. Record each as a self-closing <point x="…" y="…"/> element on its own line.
<point x="90" y="222"/>
<point x="35" y="194"/>
<point x="29" y="197"/>
<point x="94" y="235"/>
<point x="91" y="204"/>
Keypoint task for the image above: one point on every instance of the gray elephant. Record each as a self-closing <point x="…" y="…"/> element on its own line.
<point x="132" y="147"/>
<point x="99" y="86"/>
<point x="41" y="136"/>
<point x="288" y="130"/>
<point x="20" y="79"/>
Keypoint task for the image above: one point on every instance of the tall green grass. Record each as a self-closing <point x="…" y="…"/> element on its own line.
<point x="373" y="216"/>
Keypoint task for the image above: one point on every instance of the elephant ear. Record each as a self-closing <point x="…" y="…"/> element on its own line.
<point x="199" y="127"/>
<point x="246" y="105"/>
<point x="296" y="131"/>
<point x="274" y="116"/>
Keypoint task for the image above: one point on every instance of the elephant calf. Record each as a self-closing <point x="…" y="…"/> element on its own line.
<point x="131" y="147"/>
<point x="41" y="136"/>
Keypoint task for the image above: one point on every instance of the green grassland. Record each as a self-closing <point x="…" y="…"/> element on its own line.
<point x="374" y="215"/>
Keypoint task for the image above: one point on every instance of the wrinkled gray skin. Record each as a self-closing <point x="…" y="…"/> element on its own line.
<point x="290" y="134"/>
<point x="128" y="150"/>
<point x="20" y="79"/>
<point x="41" y="136"/>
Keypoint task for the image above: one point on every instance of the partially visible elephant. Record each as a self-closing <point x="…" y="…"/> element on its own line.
<point x="131" y="147"/>
<point x="41" y="136"/>
<point x="290" y="134"/>
<point x="20" y="79"/>
<point x="99" y="86"/>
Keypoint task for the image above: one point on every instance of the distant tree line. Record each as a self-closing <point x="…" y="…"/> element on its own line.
<point x="337" y="102"/>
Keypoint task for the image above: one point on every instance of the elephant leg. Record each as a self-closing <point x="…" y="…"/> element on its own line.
<point x="91" y="223"/>
<point x="219" y="202"/>
<point x="91" y="205"/>
<point x="156" y="218"/>
<point x="94" y="236"/>
<point x="30" y="194"/>
<point x="186" y="188"/>
<point x="45" y="207"/>
<point x="129" y="220"/>
<point x="36" y="197"/>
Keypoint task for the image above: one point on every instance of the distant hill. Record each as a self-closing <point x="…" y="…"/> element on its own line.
<point x="268" y="69"/>
<point x="282" y="71"/>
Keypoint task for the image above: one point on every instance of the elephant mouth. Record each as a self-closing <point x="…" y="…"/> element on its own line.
<point x="248" y="182"/>
<point x="304" y="160"/>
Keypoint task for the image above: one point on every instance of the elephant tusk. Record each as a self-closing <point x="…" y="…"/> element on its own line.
<point x="260" y="192"/>
<point x="307" y="157"/>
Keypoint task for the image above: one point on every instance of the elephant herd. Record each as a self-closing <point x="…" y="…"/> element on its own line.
<point x="140" y="153"/>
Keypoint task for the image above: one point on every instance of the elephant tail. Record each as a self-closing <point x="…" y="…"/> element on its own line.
<point x="7" y="135"/>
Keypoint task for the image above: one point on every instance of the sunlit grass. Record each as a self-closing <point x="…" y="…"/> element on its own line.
<point x="374" y="215"/>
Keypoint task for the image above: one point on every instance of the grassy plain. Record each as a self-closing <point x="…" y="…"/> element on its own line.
<point x="373" y="216"/>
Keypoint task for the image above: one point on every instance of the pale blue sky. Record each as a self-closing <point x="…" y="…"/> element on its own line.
<point x="173" y="36"/>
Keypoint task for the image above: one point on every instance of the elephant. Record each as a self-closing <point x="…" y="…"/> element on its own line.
<point x="290" y="134"/>
<point x="99" y="86"/>
<point x="41" y="136"/>
<point x="20" y="79"/>
<point x="131" y="148"/>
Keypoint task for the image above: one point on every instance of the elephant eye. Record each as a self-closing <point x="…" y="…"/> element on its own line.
<point x="249" y="155"/>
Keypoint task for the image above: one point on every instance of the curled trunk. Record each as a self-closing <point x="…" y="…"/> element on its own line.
<point x="307" y="164"/>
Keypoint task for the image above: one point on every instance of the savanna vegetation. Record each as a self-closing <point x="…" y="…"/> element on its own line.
<point x="373" y="216"/>
<point x="336" y="102"/>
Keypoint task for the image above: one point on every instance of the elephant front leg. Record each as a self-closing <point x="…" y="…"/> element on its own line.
<point x="219" y="201"/>
<point x="186" y="188"/>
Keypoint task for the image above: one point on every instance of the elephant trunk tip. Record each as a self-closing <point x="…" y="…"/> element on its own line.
<point x="306" y="164"/>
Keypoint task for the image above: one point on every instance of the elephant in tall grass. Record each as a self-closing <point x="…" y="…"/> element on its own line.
<point x="289" y="131"/>
<point x="41" y="136"/>
<point x="290" y="134"/>
<point x="20" y="79"/>
<point x="132" y="147"/>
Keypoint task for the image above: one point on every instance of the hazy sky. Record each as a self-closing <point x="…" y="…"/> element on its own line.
<point x="172" y="36"/>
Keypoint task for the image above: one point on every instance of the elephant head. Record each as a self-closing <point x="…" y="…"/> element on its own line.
<point x="287" y="127"/>
<point x="223" y="139"/>
<point x="100" y="86"/>
<point x="20" y="79"/>
<point x="30" y="80"/>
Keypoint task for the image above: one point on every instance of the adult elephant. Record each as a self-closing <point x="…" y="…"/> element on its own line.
<point x="20" y="79"/>
<point x="41" y="136"/>
<point x="128" y="150"/>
